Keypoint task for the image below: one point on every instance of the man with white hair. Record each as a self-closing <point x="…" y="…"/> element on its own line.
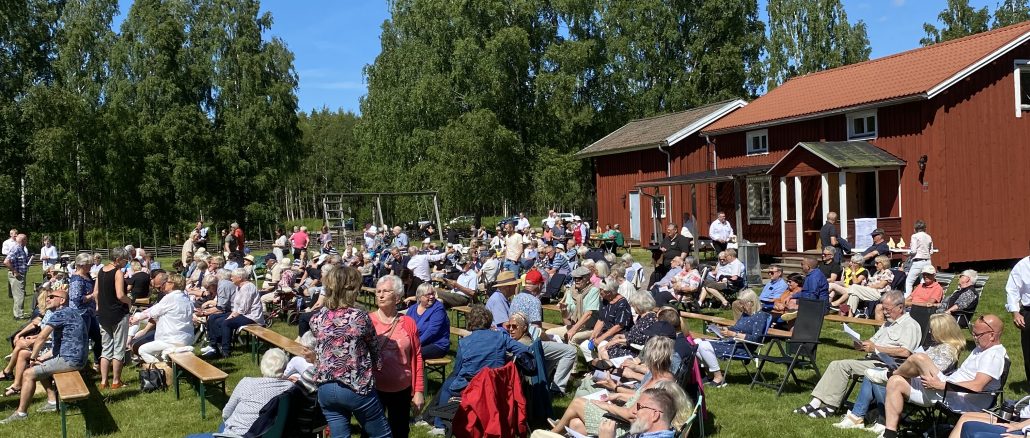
<point x="189" y="247"/>
<point x="17" y="262"/>
<point x="253" y="393"/>
<point x="246" y="309"/>
<point x="400" y="238"/>
<point x="652" y="417"/>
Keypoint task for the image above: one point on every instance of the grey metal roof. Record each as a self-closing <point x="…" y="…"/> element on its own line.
<point x="844" y="155"/>
<point x="718" y="175"/>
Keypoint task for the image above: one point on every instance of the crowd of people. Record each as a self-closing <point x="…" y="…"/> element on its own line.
<point x="367" y="361"/>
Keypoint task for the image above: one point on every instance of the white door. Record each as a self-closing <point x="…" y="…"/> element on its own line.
<point x="634" y="215"/>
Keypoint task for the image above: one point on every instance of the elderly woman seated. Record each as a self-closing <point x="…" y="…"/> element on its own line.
<point x="434" y="331"/>
<point x="614" y="317"/>
<point x="964" y="300"/>
<point x="620" y="345"/>
<point x="751" y="326"/>
<point x="584" y="415"/>
<point x="854" y="273"/>
<point x="482" y="348"/>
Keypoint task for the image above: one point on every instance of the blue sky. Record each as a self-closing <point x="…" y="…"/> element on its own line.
<point x="334" y="40"/>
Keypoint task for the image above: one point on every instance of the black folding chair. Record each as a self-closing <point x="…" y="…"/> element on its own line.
<point x="797" y="352"/>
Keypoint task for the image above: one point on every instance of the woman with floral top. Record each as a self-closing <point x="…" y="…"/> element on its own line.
<point x="348" y="354"/>
<point x="751" y="326"/>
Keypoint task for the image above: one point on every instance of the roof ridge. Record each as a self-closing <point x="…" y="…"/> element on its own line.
<point x="939" y="45"/>
<point x="696" y="108"/>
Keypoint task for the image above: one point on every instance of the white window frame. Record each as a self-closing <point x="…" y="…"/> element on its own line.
<point x="759" y="133"/>
<point x="1018" y="67"/>
<point x="763" y="219"/>
<point x="661" y="202"/>
<point x="852" y="135"/>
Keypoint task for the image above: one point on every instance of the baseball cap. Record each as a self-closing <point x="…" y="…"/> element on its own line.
<point x="534" y="277"/>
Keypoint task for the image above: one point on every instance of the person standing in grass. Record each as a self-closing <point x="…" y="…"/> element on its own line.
<point x="348" y="355"/>
<point x="399" y="382"/>
<point x="68" y="350"/>
<point x="112" y="312"/>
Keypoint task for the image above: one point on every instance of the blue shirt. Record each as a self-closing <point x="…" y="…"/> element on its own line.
<point x="481" y="349"/>
<point x="19" y="260"/>
<point x="68" y="335"/>
<point x="78" y="287"/>
<point x="668" y="433"/>
<point x="815" y="288"/>
<point x="434" y="327"/>
<point x="498" y="306"/>
<point x="773" y="290"/>
<point x="401" y="241"/>
<point x="560" y="264"/>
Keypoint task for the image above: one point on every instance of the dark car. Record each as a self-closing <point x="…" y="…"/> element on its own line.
<point x="514" y="220"/>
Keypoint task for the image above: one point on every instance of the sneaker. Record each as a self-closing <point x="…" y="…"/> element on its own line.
<point x="877" y="428"/>
<point x="17" y="416"/>
<point x="207" y="350"/>
<point x="437" y="431"/>
<point x="877" y="375"/>
<point x="47" y="407"/>
<point x="849" y="421"/>
<point x="834" y="309"/>
<point x="715" y="384"/>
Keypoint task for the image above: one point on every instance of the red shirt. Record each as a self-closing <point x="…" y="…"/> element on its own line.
<point x="401" y="355"/>
<point x="239" y="238"/>
<point x="927" y="295"/>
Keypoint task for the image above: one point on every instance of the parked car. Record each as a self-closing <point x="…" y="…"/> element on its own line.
<point x="514" y="220"/>
<point x="461" y="222"/>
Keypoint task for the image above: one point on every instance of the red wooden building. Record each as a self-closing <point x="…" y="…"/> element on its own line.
<point x="647" y="149"/>
<point x="940" y="133"/>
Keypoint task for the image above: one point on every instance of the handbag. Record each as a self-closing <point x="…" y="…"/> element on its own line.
<point x="152" y="378"/>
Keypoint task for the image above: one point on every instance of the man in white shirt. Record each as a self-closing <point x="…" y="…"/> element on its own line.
<point x="370" y="236"/>
<point x="513" y="246"/>
<point x="9" y="243"/>
<point x="720" y="231"/>
<point x="48" y="253"/>
<point x="419" y="264"/>
<point x="552" y="218"/>
<point x="980" y="372"/>
<point x="1017" y="302"/>
<point x="523" y="223"/>
<point x="463" y="289"/>
<point x="174" y="314"/>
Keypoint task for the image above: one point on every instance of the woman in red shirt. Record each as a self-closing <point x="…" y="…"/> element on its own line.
<point x="399" y="382"/>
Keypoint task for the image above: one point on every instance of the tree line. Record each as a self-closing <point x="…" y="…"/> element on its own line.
<point x="189" y="110"/>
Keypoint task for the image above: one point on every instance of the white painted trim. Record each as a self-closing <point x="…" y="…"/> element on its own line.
<point x="899" y="191"/>
<point x="824" y="190"/>
<point x="705" y="121"/>
<point x="862" y="114"/>
<point x="797" y="215"/>
<point x="962" y="74"/>
<point x="876" y="187"/>
<point x="842" y="215"/>
<point x="753" y="134"/>
<point x="1018" y="66"/>
<point x="783" y="213"/>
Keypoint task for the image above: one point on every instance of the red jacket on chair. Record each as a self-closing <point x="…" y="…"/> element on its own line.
<point x="492" y="406"/>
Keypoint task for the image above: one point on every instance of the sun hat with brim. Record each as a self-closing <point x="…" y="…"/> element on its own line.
<point x="929" y="269"/>
<point x="507" y="278"/>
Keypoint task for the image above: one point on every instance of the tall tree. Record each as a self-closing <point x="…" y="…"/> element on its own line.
<point x="957" y="20"/>
<point x="806" y="37"/>
<point x="1010" y="12"/>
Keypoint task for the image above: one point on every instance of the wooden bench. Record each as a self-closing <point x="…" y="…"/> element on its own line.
<point x="553" y="307"/>
<point x="549" y="325"/>
<point x="852" y="320"/>
<point x="70" y="389"/>
<point x="203" y="372"/>
<point x="271" y="337"/>
<point x="438" y="366"/>
<point x="459" y="332"/>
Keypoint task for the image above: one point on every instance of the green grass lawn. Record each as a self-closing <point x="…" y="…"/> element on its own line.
<point x="737" y="410"/>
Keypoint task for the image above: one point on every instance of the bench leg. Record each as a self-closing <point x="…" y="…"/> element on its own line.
<point x="63" y="407"/>
<point x="175" y="377"/>
<point x="203" y="413"/>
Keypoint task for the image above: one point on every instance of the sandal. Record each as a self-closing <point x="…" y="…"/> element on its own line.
<point x="5" y="376"/>
<point x="822" y="412"/>
<point x="12" y="390"/>
<point x="805" y="410"/>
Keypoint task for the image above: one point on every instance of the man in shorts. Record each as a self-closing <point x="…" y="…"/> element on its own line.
<point x="68" y="351"/>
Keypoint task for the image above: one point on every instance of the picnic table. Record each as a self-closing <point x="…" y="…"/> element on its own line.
<point x="852" y="320"/>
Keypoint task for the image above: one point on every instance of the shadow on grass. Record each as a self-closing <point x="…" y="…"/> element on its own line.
<point x="94" y="411"/>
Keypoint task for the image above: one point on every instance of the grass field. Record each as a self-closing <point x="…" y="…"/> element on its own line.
<point x="737" y="410"/>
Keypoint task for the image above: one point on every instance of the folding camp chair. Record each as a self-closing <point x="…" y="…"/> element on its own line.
<point x="747" y="351"/>
<point x="798" y="351"/>
<point x="940" y="415"/>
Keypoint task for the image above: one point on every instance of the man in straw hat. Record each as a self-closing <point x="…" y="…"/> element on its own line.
<point x="505" y="287"/>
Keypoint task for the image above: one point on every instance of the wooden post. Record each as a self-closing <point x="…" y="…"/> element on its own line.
<point x="439" y="225"/>
<point x="693" y="213"/>
<point x="739" y="214"/>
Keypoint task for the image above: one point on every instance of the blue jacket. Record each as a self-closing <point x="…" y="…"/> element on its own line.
<point x="434" y="327"/>
<point x="485" y="348"/>
<point x="815" y="288"/>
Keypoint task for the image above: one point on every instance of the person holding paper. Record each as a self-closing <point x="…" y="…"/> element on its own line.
<point x="980" y="373"/>
<point x="947" y="343"/>
<point x="751" y="326"/>
<point x="898" y="337"/>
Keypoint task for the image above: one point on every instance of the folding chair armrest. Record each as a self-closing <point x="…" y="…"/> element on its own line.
<point x="954" y="387"/>
<point x="745" y="341"/>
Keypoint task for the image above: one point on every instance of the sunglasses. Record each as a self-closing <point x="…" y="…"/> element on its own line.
<point x="989" y="326"/>
<point x="640" y="406"/>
